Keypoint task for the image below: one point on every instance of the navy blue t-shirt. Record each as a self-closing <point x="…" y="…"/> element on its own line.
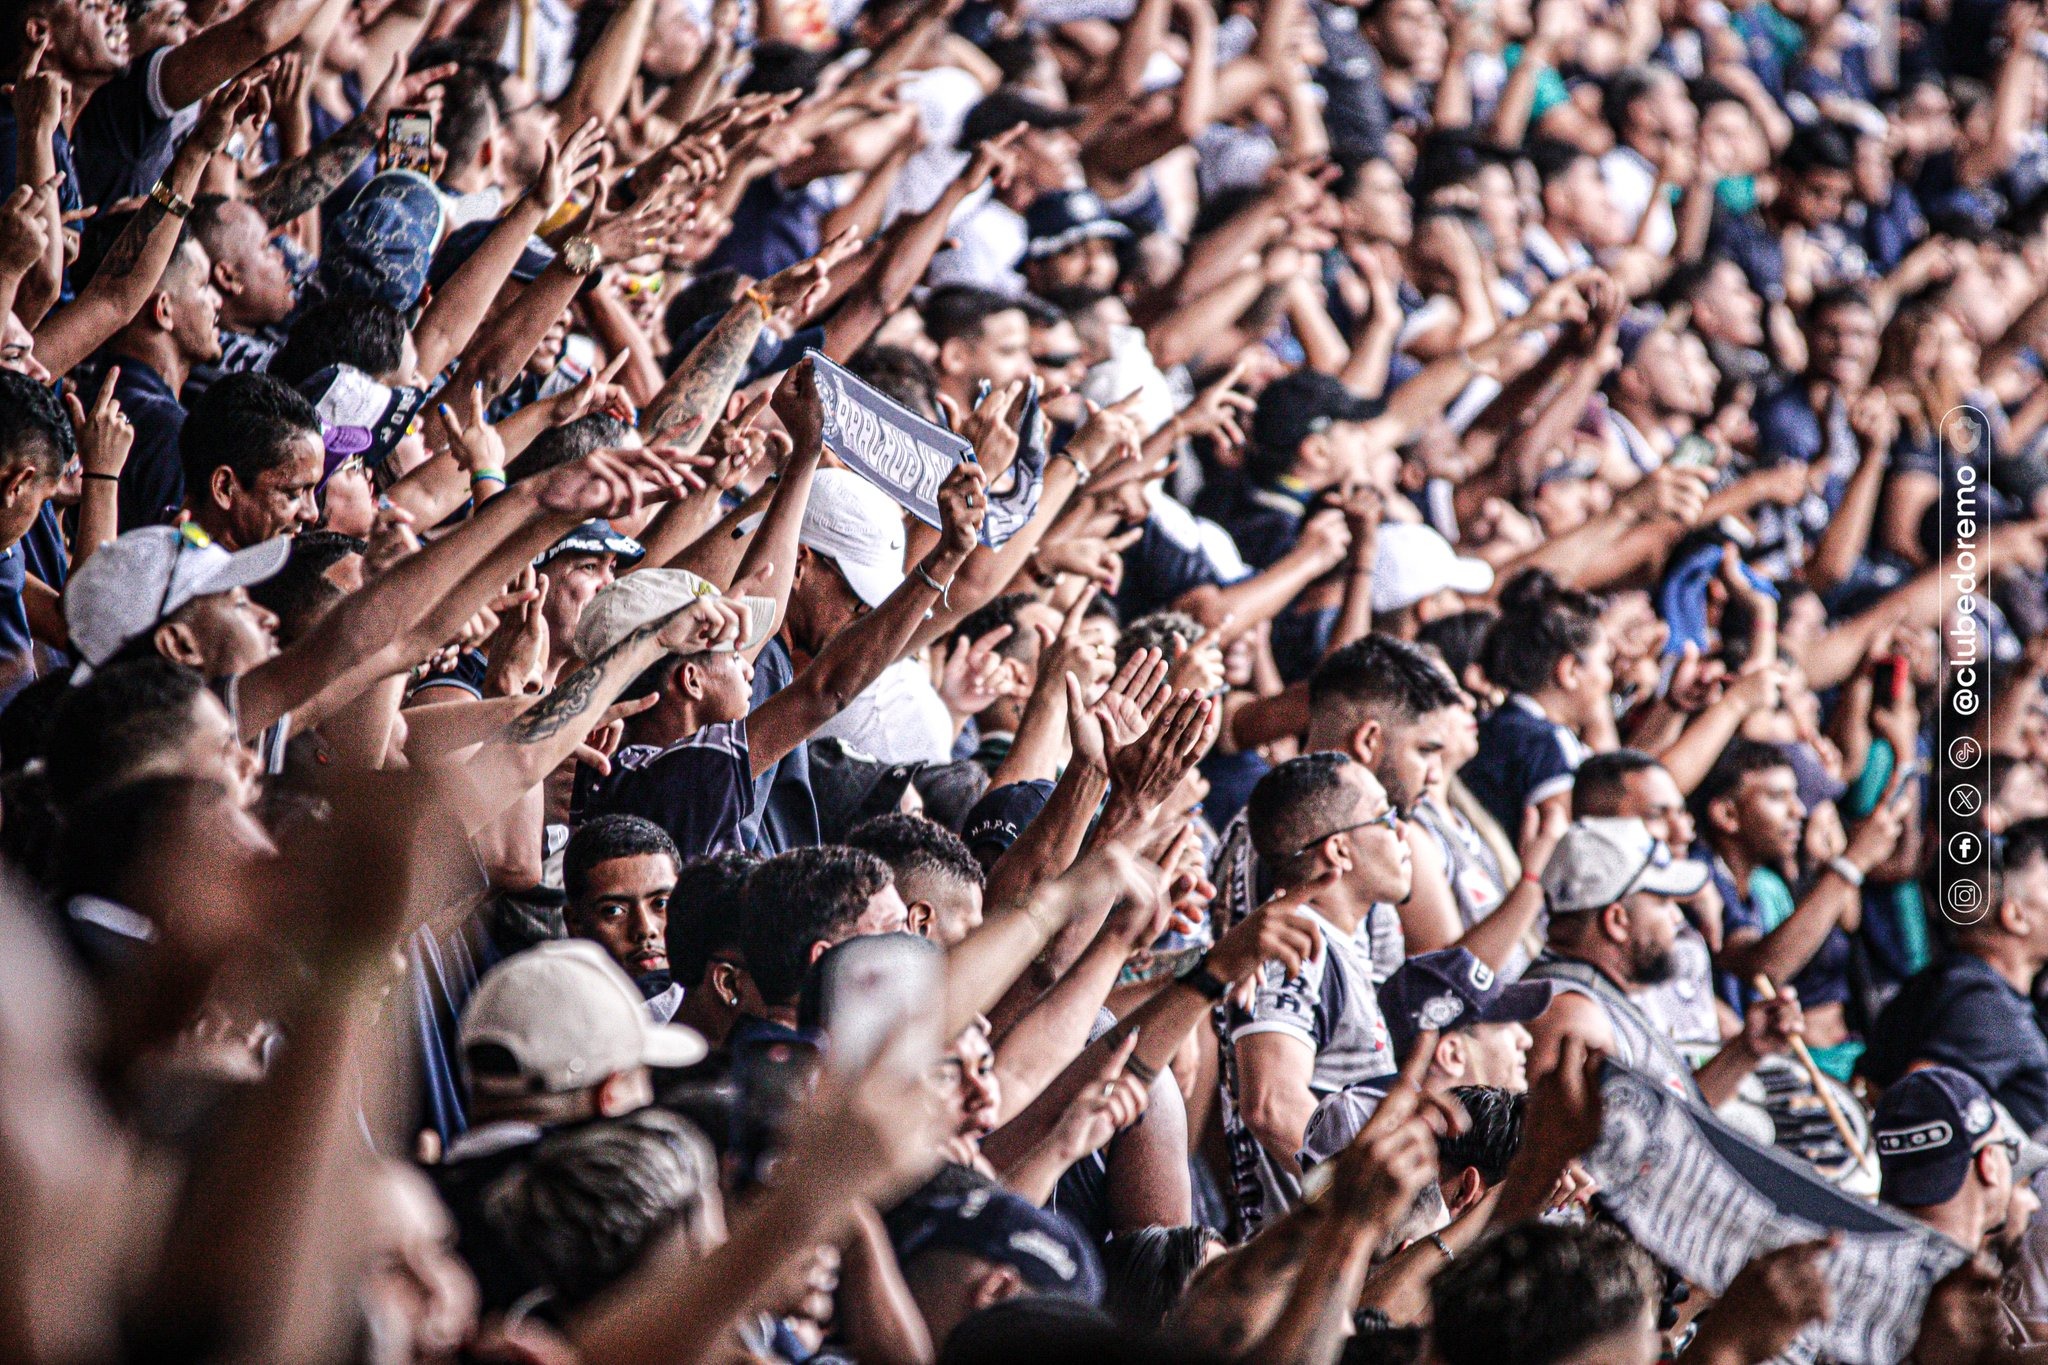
<point x="126" y="133"/>
<point x="17" y="646"/>
<point x="1524" y="758"/>
<point x="1960" y="1013"/>
<point x="699" y="789"/>
<point x="153" y="481"/>
<point x="1158" y="569"/>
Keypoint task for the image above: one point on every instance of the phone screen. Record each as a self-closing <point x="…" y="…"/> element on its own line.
<point x="408" y="141"/>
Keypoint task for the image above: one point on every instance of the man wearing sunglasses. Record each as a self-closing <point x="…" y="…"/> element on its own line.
<point x="1613" y="891"/>
<point x="1947" y="1157"/>
<point x="1326" y="834"/>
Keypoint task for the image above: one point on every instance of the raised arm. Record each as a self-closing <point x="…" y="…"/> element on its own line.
<point x="134" y="265"/>
<point x="214" y="56"/>
<point x="857" y="655"/>
<point x="605" y="75"/>
<point x="297" y="186"/>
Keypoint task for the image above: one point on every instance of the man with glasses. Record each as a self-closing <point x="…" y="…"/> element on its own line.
<point x="1613" y="892"/>
<point x="1328" y="837"/>
<point x="1945" y="1157"/>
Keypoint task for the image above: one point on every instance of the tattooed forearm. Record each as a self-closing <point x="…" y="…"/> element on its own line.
<point x="126" y="252"/>
<point x="297" y="186"/>
<point x="682" y="414"/>
<point x="575" y="695"/>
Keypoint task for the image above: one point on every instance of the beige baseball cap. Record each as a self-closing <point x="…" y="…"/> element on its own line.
<point x="569" y="1016"/>
<point x="651" y="594"/>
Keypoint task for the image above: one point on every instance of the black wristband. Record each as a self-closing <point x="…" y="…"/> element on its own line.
<point x="108" y="478"/>
<point x="1203" y="981"/>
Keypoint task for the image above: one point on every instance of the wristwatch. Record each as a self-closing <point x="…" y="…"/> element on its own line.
<point x="581" y="256"/>
<point x="1203" y="981"/>
<point x="169" y="200"/>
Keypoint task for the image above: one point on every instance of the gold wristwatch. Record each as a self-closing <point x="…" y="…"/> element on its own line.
<point x="581" y="256"/>
<point x="169" y="200"/>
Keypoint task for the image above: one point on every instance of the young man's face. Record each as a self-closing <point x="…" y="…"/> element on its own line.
<point x="624" y="908"/>
<point x="87" y="37"/>
<point x="1845" y="344"/>
<point x="1411" y="761"/>
<point x="1819" y="196"/>
<point x="257" y="283"/>
<point x="1000" y="354"/>
<point x="1652" y="796"/>
<point x="1768" y="814"/>
<point x="954" y="906"/>
<point x="232" y="633"/>
<point x="573" y="579"/>
<point x="1499" y="1056"/>
<point x="195" y="305"/>
<point x="280" y="500"/>
<point x="1380" y="865"/>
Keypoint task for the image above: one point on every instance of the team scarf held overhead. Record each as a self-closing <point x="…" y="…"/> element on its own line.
<point x="908" y="457"/>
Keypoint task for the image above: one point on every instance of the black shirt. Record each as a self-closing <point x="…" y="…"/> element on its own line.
<point x="1960" y="1013"/>
<point x="699" y="789"/>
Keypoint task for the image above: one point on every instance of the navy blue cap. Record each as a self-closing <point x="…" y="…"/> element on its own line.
<point x="1296" y="406"/>
<point x="1066" y="218"/>
<point x="1451" y="989"/>
<point x="595" y="538"/>
<point x="1000" y="816"/>
<point x="1930" y="1125"/>
<point x="462" y="243"/>
<point x="996" y="1226"/>
<point x="850" y="786"/>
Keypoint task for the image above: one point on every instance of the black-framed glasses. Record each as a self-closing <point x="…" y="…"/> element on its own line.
<point x="1389" y="818"/>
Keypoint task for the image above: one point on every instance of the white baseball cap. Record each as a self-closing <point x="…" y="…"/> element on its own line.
<point x="859" y="528"/>
<point x="623" y="607"/>
<point x="127" y="588"/>
<point x="1606" y="857"/>
<point x="1413" y="562"/>
<point x="570" y="1016"/>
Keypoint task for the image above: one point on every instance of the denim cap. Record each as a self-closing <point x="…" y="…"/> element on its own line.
<point x="380" y="246"/>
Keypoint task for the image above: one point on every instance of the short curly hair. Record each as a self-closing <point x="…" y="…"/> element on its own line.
<point x="800" y="898"/>
<point x="1538" y="1293"/>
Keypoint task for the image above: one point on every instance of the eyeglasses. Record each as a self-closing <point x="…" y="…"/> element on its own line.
<point x="650" y="285"/>
<point x="1389" y="819"/>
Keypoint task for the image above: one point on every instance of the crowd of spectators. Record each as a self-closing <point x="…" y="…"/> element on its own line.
<point x="1524" y="549"/>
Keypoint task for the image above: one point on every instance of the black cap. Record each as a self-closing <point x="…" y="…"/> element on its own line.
<point x="1930" y="1124"/>
<point x="1296" y="406"/>
<point x="1001" y="815"/>
<point x="1007" y="108"/>
<point x="996" y="1226"/>
<point x="1067" y="218"/>
<point x="1451" y="989"/>
<point x="851" y="786"/>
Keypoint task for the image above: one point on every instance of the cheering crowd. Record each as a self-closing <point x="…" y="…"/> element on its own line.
<point x="1022" y="680"/>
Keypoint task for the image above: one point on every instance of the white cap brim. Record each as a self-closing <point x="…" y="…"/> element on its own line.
<point x="241" y="569"/>
<point x="1679" y="877"/>
<point x="872" y="583"/>
<point x="674" y="1045"/>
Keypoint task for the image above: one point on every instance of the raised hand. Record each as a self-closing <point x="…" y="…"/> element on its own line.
<point x="1095" y="558"/>
<point x="963" y="506"/>
<point x="792" y="294"/>
<point x="995" y="159"/>
<point x="104" y="436"/>
<point x="707" y="623"/>
<point x="219" y="113"/>
<point x="569" y="164"/>
<point x="971" y="676"/>
<point x="1278" y="931"/>
<point x="473" y="441"/>
<point x="24" y="234"/>
<point x="799" y="407"/>
<point x="596" y="392"/>
<point x="612" y="483"/>
<point x="1146" y="771"/>
<point x="518" y="649"/>
<point x="41" y="98"/>
<point x="1110" y="1102"/>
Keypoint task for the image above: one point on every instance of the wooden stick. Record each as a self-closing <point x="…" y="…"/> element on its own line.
<point x="1764" y="988"/>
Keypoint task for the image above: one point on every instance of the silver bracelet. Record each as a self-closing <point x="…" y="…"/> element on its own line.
<point x="1081" y="475"/>
<point x="924" y="577"/>
<point x="1846" y="870"/>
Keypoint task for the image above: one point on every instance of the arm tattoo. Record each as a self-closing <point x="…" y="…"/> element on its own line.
<point x="695" y="394"/>
<point x="297" y="186"/>
<point x="573" y="695"/>
<point x="122" y="256"/>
